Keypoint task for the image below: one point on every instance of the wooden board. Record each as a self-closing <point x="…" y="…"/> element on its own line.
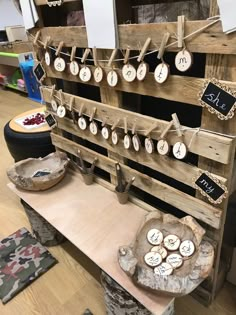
<point x="95" y="227"/>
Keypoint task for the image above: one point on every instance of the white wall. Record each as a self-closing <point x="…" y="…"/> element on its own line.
<point x="9" y="15"/>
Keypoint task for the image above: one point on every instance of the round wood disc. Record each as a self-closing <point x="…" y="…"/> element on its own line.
<point x="161" y="250"/>
<point x="98" y="74"/>
<point x="61" y="111"/>
<point x="82" y="123"/>
<point x="153" y="259"/>
<point x="142" y="71"/>
<point x="161" y="72"/>
<point x="59" y="64"/>
<point x="154" y="237"/>
<point x="85" y="74"/>
<point x="171" y="242"/>
<point x="175" y="260"/>
<point x="164" y="269"/>
<point x="129" y="72"/>
<point x="93" y="127"/>
<point x="105" y="133"/>
<point x="187" y="248"/>
<point x="149" y="145"/>
<point x="74" y="67"/>
<point x="47" y="58"/>
<point x="163" y="147"/>
<point x="183" y="60"/>
<point x="136" y="143"/>
<point x="54" y="105"/>
<point x="180" y="150"/>
<point x="127" y="142"/>
<point x="112" y="78"/>
<point x="114" y="137"/>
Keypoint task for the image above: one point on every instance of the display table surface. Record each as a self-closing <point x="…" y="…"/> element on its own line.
<point x="93" y="220"/>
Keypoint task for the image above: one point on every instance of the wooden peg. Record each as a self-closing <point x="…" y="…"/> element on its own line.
<point x="81" y="110"/>
<point x="115" y="124"/>
<point x="164" y="132"/>
<point x="125" y="125"/>
<point x="93" y="114"/>
<point x="180" y="30"/>
<point x="134" y="127"/>
<point x="95" y="59"/>
<point x="59" y="48"/>
<point x="113" y="55"/>
<point x="177" y="124"/>
<point x="47" y="41"/>
<point x="104" y="121"/>
<point x="144" y="49"/>
<point x="72" y="99"/>
<point x="152" y="128"/>
<point x="72" y="55"/>
<point x="127" y="54"/>
<point x="52" y="90"/>
<point x="163" y="45"/>
<point x="61" y="96"/>
<point x="36" y="37"/>
<point x="85" y="55"/>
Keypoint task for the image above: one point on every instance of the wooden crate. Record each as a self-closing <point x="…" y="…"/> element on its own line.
<point x="163" y="181"/>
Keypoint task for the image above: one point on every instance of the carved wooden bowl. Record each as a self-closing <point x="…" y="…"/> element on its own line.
<point x="184" y="279"/>
<point x="39" y="174"/>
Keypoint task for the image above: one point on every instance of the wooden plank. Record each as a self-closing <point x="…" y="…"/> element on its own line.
<point x="211" y="40"/>
<point x="197" y="208"/>
<point x="17" y="47"/>
<point x="210" y="145"/>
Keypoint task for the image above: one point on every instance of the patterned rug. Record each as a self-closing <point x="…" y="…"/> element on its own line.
<point x="22" y="260"/>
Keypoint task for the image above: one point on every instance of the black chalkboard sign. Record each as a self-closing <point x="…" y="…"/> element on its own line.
<point x="39" y="72"/>
<point x="210" y="188"/>
<point x="50" y="121"/>
<point x="219" y="99"/>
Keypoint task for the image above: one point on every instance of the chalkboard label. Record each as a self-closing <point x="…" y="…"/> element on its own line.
<point x="219" y="99"/>
<point x="50" y="121"/>
<point x="210" y="187"/>
<point x="39" y="72"/>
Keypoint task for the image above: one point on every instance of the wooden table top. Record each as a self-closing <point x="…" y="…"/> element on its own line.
<point x="16" y="127"/>
<point x="93" y="220"/>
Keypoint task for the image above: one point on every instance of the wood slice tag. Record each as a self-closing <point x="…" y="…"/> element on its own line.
<point x="54" y="105"/>
<point x="183" y="60"/>
<point x="127" y="142"/>
<point x="59" y="64"/>
<point x="106" y="133"/>
<point x="112" y="78"/>
<point x="39" y="72"/>
<point x="61" y="111"/>
<point x="171" y="242"/>
<point x="47" y="58"/>
<point x="161" y="250"/>
<point x="180" y="150"/>
<point x="74" y="67"/>
<point x="154" y="237"/>
<point x="136" y="143"/>
<point x="175" y="260"/>
<point x="54" y="3"/>
<point x="210" y="187"/>
<point x="161" y="72"/>
<point x="164" y="269"/>
<point x="218" y="99"/>
<point x="142" y="71"/>
<point x="163" y="147"/>
<point x="153" y="259"/>
<point x="187" y="248"/>
<point x="98" y="74"/>
<point x="129" y="72"/>
<point x="82" y="123"/>
<point x="85" y="74"/>
<point x="114" y="137"/>
<point x="149" y="145"/>
<point x="93" y="127"/>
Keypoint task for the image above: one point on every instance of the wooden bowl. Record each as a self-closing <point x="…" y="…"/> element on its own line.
<point x="184" y="279"/>
<point x="39" y="174"/>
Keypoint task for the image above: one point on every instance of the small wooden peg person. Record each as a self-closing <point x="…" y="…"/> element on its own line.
<point x="135" y="139"/>
<point x="85" y="73"/>
<point x="149" y="145"/>
<point x="82" y="122"/>
<point x="128" y="71"/>
<point x="105" y="129"/>
<point x="179" y="149"/>
<point x="47" y="56"/>
<point x="162" y="70"/>
<point x="114" y="134"/>
<point x="163" y="146"/>
<point x="61" y="110"/>
<point x="184" y="58"/>
<point x="93" y="127"/>
<point x="59" y="63"/>
<point x="112" y="76"/>
<point x="74" y="66"/>
<point x="143" y="67"/>
<point x="127" y="138"/>
<point x="98" y="72"/>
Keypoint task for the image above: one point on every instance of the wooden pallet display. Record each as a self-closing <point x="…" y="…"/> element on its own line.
<point x="216" y="152"/>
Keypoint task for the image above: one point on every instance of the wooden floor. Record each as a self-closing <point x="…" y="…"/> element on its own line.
<point x="68" y="288"/>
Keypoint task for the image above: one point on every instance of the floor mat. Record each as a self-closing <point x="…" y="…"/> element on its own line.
<point x="22" y="260"/>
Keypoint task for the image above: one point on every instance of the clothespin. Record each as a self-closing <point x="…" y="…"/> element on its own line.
<point x="152" y="128"/>
<point x="72" y="99"/>
<point x="113" y="55"/>
<point x="36" y="37"/>
<point x="125" y="125"/>
<point x="104" y="121"/>
<point x="93" y="114"/>
<point x="59" y="48"/>
<point x="95" y="56"/>
<point x="115" y="124"/>
<point x="144" y="49"/>
<point x="177" y="124"/>
<point x="180" y="31"/>
<point x="72" y="55"/>
<point x="61" y="96"/>
<point x="134" y="126"/>
<point x="127" y="54"/>
<point x="85" y="55"/>
<point x="164" y="132"/>
<point x="81" y="110"/>
<point x="52" y="90"/>
<point x="47" y="41"/>
<point x="163" y="45"/>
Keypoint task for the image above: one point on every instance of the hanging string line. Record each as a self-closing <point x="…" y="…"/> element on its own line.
<point x="134" y="57"/>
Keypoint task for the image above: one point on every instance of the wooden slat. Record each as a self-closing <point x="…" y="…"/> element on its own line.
<point x="176" y="88"/>
<point x="195" y="207"/>
<point x="209" y="145"/>
<point x="211" y="40"/>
